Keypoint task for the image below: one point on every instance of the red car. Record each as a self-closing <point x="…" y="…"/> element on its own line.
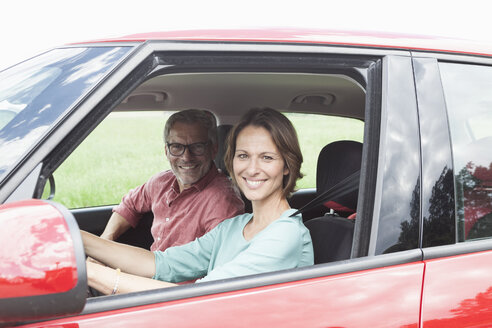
<point x="403" y="241"/>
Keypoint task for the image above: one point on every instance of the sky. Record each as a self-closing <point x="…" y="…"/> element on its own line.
<point x="28" y="27"/>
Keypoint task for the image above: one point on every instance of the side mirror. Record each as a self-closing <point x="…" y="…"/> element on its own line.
<point x="42" y="262"/>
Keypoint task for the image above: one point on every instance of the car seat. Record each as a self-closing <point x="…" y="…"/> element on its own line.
<point x="222" y="133"/>
<point x="332" y="234"/>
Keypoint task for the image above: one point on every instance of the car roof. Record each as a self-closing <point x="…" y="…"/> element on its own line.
<point x="229" y="94"/>
<point x="319" y="36"/>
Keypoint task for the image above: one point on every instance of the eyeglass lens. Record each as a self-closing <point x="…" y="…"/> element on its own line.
<point x="177" y="149"/>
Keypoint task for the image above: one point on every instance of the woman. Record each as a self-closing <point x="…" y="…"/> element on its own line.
<point x="264" y="156"/>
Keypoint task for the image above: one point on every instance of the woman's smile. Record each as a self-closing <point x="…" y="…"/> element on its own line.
<point x="254" y="183"/>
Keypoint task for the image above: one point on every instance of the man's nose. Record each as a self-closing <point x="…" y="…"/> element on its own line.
<point x="187" y="153"/>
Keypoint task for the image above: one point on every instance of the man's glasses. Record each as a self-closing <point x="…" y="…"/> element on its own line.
<point x="196" y="149"/>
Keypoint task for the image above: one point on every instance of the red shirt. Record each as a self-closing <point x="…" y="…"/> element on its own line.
<point x="179" y="218"/>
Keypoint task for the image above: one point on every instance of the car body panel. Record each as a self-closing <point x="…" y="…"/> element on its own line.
<point x="357" y="299"/>
<point x="458" y="291"/>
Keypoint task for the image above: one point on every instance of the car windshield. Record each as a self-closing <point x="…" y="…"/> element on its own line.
<point x="36" y="94"/>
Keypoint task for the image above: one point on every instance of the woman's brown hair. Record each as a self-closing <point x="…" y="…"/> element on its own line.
<point x="284" y="136"/>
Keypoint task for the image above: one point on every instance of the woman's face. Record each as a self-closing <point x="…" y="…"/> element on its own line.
<point x="258" y="165"/>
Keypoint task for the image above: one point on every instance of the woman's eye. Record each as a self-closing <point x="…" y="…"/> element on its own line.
<point x="242" y="156"/>
<point x="268" y="158"/>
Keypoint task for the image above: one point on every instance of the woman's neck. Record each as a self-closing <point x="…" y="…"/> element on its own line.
<point x="264" y="213"/>
<point x="268" y="210"/>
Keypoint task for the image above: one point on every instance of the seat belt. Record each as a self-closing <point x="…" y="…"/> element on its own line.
<point x="343" y="187"/>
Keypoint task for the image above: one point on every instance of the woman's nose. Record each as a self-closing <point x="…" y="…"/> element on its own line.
<point x="252" y="167"/>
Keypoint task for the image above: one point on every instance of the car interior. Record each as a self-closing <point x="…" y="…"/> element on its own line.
<point x="230" y="94"/>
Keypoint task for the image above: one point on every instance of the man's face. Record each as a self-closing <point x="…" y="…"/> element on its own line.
<point x="188" y="167"/>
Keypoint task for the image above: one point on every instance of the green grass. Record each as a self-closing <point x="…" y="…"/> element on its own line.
<point x="127" y="148"/>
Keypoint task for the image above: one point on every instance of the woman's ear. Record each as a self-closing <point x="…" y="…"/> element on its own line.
<point x="286" y="170"/>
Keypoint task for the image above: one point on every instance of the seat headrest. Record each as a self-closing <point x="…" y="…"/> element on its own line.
<point x="222" y="132"/>
<point x="337" y="161"/>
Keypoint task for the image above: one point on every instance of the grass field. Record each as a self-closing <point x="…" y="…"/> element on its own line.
<point x="127" y="148"/>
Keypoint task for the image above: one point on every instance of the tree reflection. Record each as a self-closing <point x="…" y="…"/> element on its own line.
<point x="439" y="223"/>
<point x="409" y="234"/>
<point x="439" y="227"/>
<point x="475" y="312"/>
<point x="473" y="206"/>
<point x="474" y="201"/>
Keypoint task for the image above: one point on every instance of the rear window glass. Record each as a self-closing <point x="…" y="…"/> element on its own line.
<point x="467" y="90"/>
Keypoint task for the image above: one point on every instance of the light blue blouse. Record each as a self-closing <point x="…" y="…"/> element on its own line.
<point x="224" y="253"/>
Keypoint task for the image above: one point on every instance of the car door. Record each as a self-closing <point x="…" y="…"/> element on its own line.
<point x="379" y="287"/>
<point x="455" y="111"/>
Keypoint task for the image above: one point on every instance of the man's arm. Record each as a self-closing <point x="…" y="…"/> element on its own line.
<point x="116" y="226"/>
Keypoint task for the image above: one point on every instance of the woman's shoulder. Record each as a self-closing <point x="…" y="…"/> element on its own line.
<point x="290" y="219"/>
<point x="237" y="220"/>
<point x="290" y="224"/>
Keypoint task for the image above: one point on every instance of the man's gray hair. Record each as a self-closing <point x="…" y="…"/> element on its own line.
<point x="203" y="117"/>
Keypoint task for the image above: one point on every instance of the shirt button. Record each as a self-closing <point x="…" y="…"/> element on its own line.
<point x="158" y="238"/>
<point x="167" y="219"/>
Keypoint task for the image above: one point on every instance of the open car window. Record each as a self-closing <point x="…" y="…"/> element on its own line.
<point x="127" y="148"/>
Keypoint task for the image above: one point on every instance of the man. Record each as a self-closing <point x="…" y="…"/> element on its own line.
<point x="188" y="200"/>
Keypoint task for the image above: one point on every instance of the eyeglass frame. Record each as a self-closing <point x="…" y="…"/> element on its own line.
<point x="205" y="144"/>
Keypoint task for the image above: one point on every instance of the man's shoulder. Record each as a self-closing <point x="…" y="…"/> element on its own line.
<point x="161" y="179"/>
<point x="222" y="186"/>
<point x="163" y="175"/>
<point x="219" y="180"/>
